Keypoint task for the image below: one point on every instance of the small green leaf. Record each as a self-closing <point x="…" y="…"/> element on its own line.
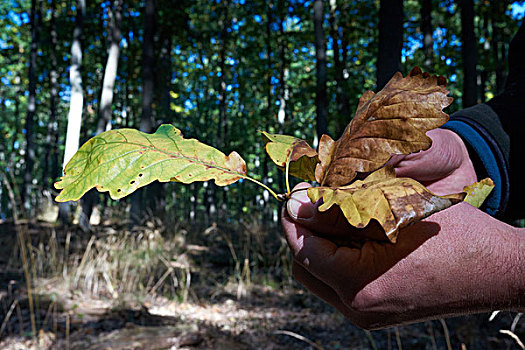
<point x="284" y="148"/>
<point x="478" y="192"/>
<point x="120" y="161"/>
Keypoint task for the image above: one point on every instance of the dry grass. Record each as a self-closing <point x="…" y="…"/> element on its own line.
<point x="233" y="281"/>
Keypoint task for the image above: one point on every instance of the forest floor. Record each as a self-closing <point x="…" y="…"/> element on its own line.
<point x="195" y="296"/>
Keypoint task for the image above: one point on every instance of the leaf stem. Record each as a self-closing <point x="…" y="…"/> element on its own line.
<point x="286" y="175"/>
<point x="275" y="195"/>
<point x="297" y="190"/>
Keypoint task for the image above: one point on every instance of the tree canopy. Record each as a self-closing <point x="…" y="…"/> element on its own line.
<point x="219" y="71"/>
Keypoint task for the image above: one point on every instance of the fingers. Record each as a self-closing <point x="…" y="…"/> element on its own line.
<point x="303" y="211"/>
<point x="325" y="260"/>
<point x="319" y="288"/>
<point x="441" y="159"/>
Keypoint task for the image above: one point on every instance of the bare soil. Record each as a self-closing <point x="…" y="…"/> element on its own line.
<point x="225" y="315"/>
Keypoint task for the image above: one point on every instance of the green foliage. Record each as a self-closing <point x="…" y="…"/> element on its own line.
<point x="269" y="68"/>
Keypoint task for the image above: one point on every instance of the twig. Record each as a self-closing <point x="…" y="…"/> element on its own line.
<point x="23" y="239"/>
<point x="432" y="336"/>
<point x="161" y="280"/>
<point x="83" y="260"/>
<point x="66" y="255"/>
<point x="371" y="339"/>
<point x="67" y="331"/>
<point x="447" y="334"/>
<point x="515" y="321"/>
<point x="8" y="316"/>
<point x="513" y="336"/>
<point x="493" y="315"/>
<point x="398" y="338"/>
<point x="51" y="306"/>
<point x="300" y="337"/>
<point x="20" y="320"/>
<point x="11" y="196"/>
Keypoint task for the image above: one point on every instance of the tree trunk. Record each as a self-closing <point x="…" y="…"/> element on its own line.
<point x="469" y="53"/>
<point x="426" y="29"/>
<point x="321" y="102"/>
<point x="146" y="120"/>
<point x="52" y="129"/>
<point x="29" y="158"/>
<point x="498" y="42"/>
<point x="91" y="199"/>
<point x="129" y="73"/>
<point x="110" y="73"/>
<point x="343" y="106"/>
<point x="208" y="192"/>
<point x="148" y="71"/>
<point x="262" y="203"/>
<point x="485" y="56"/>
<point x="74" y="118"/>
<point x="390" y="40"/>
<point x="222" y="124"/>
<point x="282" y="117"/>
<point x="167" y="69"/>
<point x="222" y="127"/>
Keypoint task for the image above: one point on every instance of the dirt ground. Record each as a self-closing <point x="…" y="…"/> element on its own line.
<point x="262" y="316"/>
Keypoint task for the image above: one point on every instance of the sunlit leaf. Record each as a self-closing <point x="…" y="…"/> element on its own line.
<point x="120" y="161"/>
<point x="478" y="192"/>
<point x="283" y="148"/>
<point x="393" y="202"/>
<point x="393" y="121"/>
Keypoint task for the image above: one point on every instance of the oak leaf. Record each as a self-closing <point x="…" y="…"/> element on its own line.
<point x="478" y="192"/>
<point x="393" y="202"/>
<point x="393" y="121"/>
<point x="284" y="148"/>
<point x="120" y="161"/>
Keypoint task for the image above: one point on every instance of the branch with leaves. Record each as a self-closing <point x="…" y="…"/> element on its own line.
<point x="393" y="121"/>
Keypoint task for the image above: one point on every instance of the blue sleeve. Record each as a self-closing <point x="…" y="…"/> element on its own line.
<point x="487" y="160"/>
<point x="477" y="126"/>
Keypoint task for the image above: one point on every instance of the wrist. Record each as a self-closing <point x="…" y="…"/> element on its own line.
<point x="472" y="263"/>
<point x="511" y="251"/>
<point x="489" y="267"/>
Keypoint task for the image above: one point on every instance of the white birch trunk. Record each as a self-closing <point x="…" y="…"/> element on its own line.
<point x="74" y="118"/>
<point x="110" y="73"/>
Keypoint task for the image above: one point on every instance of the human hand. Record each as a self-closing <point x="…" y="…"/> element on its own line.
<point x="459" y="260"/>
<point x="444" y="168"/>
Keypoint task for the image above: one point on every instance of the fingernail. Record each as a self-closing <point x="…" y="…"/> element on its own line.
<point x="300" y="206"/>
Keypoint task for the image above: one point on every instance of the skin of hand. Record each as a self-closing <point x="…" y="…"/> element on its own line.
<point x="444" y="168"/>
<point x="457" y="261"/>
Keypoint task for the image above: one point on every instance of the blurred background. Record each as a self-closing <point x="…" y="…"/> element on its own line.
<point x="207" y="265"/>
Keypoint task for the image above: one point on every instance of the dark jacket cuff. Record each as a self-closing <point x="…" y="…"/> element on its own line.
<point x="488" y="144"/>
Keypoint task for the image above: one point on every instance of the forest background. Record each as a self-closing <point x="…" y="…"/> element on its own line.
<point x="219" y="71"/>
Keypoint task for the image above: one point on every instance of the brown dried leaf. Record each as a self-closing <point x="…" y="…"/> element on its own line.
<point x="393" y="202"/>
<point x="393" y="121"/>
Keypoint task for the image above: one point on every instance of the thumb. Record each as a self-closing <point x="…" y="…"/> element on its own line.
<point x="299" y="206"/>
<point x="302" y="211"/>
